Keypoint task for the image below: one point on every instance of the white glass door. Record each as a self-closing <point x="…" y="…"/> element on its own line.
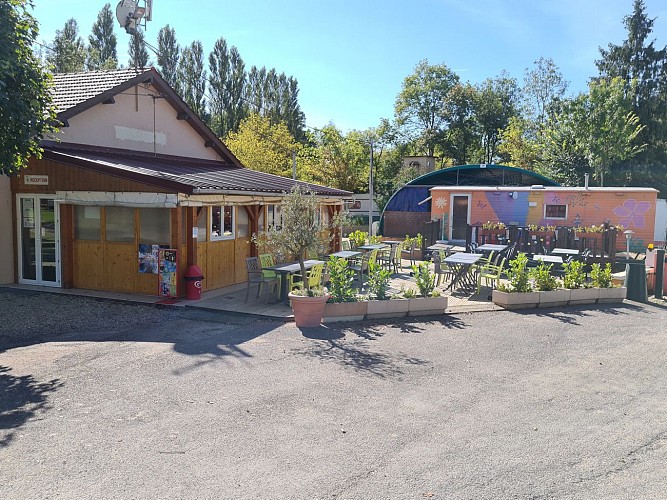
<point x="39" y="241"/>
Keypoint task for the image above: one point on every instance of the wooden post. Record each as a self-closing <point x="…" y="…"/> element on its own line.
<point x="66" y="245"/>
<point x="190" y="241"/>
<point x="253" y="212"/>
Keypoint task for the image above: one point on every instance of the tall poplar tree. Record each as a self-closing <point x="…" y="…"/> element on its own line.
<point x="192" y="78"/>
<point x="69" y="50"/>
<point x="139" y="57"/>
<point x="102" y="42"/>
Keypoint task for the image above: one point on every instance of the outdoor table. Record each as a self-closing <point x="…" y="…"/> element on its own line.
<point x="440" y="246"/>
<point x="564" y="251"/>
<point x="491" y="247"/>
<point x="460" y="263"/>
<point x="553" y="259"/>
<point x="391" y="242"/>
<point x="345" y="254"/>
<point x="368" y="248"/>
<point x="284" y="270"/>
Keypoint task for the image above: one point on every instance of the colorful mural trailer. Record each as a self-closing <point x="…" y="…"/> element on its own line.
<point x="631" y="208"/>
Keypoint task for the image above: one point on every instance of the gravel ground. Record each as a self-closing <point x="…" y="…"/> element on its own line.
<point x="28" y="315"/>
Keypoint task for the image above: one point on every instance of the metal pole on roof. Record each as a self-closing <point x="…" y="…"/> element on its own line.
<point x="294" y="165"/>
<point x="370" y="191"/>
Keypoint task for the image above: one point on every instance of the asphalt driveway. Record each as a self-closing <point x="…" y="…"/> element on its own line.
<point x="567" y="403"/>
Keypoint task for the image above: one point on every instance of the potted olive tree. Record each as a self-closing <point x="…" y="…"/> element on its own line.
<point x="302" y="233"/>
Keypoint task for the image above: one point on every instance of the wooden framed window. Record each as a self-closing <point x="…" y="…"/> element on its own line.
<point x="558" y="212"/>
<point x="274" y="217"/>
<point x="222" y="222"/>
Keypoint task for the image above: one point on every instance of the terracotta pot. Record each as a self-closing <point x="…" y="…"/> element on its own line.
<point x="308" y="311"/>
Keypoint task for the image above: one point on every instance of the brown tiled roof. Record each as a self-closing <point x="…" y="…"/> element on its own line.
<point x="185" y="175"/>
<point x="71" y="89"/>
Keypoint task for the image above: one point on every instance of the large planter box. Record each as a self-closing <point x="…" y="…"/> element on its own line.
<point x="554" y="298"/>
<point x="394" y="308"/>
<point x="580" y="296"/>
<point x="513" y="300"/>
<point x="425" y="306"/>
<point x="609" y="295"/>
<point x="345" y="311"/>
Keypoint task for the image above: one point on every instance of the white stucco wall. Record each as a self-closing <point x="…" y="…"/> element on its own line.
<point x="660" y="220"/>
<point x="130" y="123"/>
<point x="7" y="239"/>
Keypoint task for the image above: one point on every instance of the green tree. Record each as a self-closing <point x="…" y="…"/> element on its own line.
<point x="192" y="78"/>
<point x="643" y="68"/>
<point x="497" y="100"/>
<point x="227" y="88"/>
<point x="262" y="146"/>
<point x="169" y="53"/>
<point x="139" y="57"/>
<point x="462" y="137"/>
<point x="542" y="85"/>
<point x="69" y="50"/>
<point x="26" y="109"/>
<point x="519" y="144"/>
<point x="102" y="42"/>
<point x="607" y="126"/>
<point x="419" y="105"/>
<point x="340" y="161"/>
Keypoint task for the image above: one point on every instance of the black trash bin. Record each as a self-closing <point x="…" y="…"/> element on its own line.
<point x="635" y="280"/>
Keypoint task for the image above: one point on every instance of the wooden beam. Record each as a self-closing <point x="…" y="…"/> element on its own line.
<point x="110" y="100"/>
<point x="67" y="245"/>
<point x="182" y="115"/>
<point x="253" y="212"/>
<point x="208" y="144"/>
<point x="190" y="242"/>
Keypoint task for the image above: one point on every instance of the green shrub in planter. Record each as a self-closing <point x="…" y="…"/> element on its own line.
<point x="544" y="280"/>
<point x="519" y="279"/>
<point x="378" y="281"/>
<point x="424" y="279"/>
<point x="601" y="277"/>
<point x="341" y="280"/>
<point x="574" y="275"/>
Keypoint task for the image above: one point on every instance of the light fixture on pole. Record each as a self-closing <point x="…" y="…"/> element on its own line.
<point x="370" y="191"/>
<point x="628" y="236"/>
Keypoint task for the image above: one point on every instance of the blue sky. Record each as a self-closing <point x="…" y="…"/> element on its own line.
<point x="350" y="57"/>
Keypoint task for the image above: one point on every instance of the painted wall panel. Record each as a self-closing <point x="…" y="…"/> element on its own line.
<point x="632" y="209"/>
<point x="7" y="232"/>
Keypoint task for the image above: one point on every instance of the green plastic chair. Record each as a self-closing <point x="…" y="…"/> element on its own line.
<point x="313" y="275"/>
<point x="491" y="275"/>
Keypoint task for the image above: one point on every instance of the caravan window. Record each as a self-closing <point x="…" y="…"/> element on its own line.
<point x="555" y="212"/>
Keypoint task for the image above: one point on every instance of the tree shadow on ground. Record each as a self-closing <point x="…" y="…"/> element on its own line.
<point x="570" y="314"/>
<point x="348" y="343"/>
<point x="22" y="398"/>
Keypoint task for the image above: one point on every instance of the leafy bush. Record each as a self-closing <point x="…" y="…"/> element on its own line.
<point x="518" y="274"/>
<point x="358" y="238"/>
<point x="378" y="281"/>
<point x="341" y="279"/>
<point x="601" y="277"/>
<point x="424" y="279"/>
<point x="574" y="275"/>
<point x="544" y="280"/>
<point x="408" y="293"/>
